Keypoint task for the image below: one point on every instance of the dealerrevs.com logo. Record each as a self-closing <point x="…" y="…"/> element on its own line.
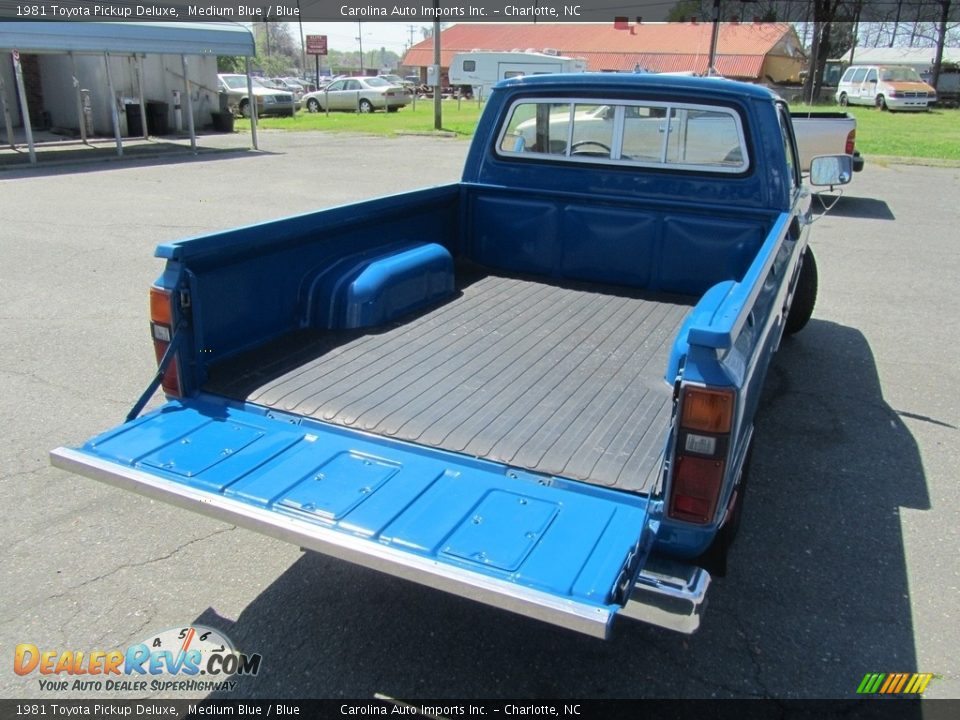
<point x="190" y="659"/>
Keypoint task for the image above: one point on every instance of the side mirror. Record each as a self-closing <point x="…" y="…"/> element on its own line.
<point x="831" y="170"/>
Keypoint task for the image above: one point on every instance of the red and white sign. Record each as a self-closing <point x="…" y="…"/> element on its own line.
<point x="316" y="44"/>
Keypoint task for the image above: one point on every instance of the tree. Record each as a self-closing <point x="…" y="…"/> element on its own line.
<point x="941" y="40"/>
<point x="427" y="30"/>
<point x="686" y="9"/>
<point x="277" y="50"/>
<point x="832" y="36"/>
<point x="742" y="10"/>
<point x="273" y="65"/>
<point x="275" y="38"/>
<point x="230" y="64"/>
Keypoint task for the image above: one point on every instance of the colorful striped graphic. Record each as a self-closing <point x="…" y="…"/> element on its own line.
<point x="894" y="683"/>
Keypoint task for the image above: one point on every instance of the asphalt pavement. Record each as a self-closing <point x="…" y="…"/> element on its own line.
<point x="847" y="561"/>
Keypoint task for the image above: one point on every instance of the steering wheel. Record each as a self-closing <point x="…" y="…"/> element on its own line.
<point x="584" y="143"/>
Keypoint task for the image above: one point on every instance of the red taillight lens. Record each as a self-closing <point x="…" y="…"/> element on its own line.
<point x="706" y="419"/>
<point x="851" y="142"/>
<point x="161" y="327"/>
<point x="696" y="486"/>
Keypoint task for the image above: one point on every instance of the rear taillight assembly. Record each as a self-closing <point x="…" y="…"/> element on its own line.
<point x="851" y="142"/>
<point x="700" y="457"/>
<point x="161" y="328"/>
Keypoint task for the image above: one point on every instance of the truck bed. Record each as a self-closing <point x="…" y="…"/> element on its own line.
<point x="560" y="380"/>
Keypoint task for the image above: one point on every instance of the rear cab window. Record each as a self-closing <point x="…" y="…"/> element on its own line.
<point x="669" y="135"/>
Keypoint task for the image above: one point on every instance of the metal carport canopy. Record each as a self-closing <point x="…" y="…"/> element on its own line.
<point x="177" y="38"/>
<point x="135" y="38"/>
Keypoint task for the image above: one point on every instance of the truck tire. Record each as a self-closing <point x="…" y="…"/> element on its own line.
<point x="805" y="295"/>
<point x="714" y="558"/>
<point x="881" y="102"/>
<point x="245" y="108"/>
<point x="844" y="101"/>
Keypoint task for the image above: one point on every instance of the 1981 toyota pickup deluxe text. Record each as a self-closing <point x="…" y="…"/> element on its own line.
<point x="534" y="387"/>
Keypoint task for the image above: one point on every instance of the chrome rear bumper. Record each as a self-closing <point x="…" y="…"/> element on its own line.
<point x="669" y="594"/>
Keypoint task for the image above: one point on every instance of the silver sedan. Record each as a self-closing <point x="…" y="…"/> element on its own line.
<point x="358" y="94"/>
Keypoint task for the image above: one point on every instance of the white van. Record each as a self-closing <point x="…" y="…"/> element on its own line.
<point x="479" y="70"/>
<point x="887" y="87"/>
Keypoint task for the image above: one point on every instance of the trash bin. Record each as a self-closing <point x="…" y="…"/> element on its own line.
<point x="134" y="121"/>
<point x="157" y="112"/>
<point x="222" y="121"/>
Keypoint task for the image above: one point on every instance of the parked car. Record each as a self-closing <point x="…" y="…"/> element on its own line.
<point x="363" y="94"/>
<point x="398" y="81"/>
<point x="887" y="87"/>
<point x="289" y="86"/>
<point x="405" y="85"/>
<point x="270" y="101"/>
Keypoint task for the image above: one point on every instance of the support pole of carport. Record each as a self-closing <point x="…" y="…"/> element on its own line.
<point x="5" y="107"/>
<point x="24" y="109"/>
<point x="143" y="104"/>
<point x="252" y="104"/>
<point x="186" y="91"/>
<point x="114" y="113"/>
<point x="76" y="92"/>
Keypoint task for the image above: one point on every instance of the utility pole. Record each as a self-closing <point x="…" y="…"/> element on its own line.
<point x="303" y="47"/>
<point x="360" y="40"/>
<point x="714" y="36"/>
<point x="437" y="112"/>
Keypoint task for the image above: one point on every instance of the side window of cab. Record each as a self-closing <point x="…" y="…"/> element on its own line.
<point x="789" y="149"/>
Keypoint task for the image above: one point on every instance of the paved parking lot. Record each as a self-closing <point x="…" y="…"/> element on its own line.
<point x="847" y="562"/>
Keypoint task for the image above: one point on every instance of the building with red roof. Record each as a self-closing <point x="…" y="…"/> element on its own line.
<point x="755" y="52"/>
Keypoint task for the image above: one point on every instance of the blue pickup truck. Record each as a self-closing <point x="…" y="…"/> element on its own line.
<point x="534" y="387"/>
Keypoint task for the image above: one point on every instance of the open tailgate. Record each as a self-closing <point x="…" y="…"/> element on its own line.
<point x="551" y="549"/>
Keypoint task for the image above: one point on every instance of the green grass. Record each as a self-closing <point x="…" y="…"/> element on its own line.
<point x="461" y="121"/>
<point x="934" y="134"/>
